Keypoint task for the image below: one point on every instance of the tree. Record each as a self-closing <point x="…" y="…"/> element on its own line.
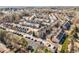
<point x="34" y="34"/>
<point x="46" y="50"/>
<point x="23" y="42"/>
<point x="2" y="35"/>
<point x="75" y="36"/>
<point x="76" y="29"/>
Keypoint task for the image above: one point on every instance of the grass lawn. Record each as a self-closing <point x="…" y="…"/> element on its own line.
<point x="64" y="48"/>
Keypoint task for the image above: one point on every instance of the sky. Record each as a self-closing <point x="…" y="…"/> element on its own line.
<point x="39" y="3"/>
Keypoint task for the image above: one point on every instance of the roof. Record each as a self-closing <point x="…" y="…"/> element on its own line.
<point x="66" y="25"/>
<point x="76" y="21"/>
<point x="61" y="36"/>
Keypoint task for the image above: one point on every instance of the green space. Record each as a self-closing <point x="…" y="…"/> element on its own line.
<point x="64" y="48"/>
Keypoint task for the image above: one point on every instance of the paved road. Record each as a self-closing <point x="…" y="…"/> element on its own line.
<point x="46" y="43"/>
